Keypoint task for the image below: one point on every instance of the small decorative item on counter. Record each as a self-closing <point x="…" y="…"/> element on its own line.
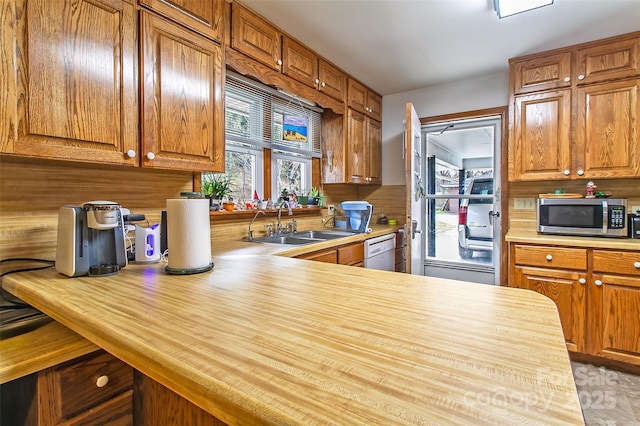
<point x="590" y="190"/>
<point x="228" y="204"/>
<point x="314" y="196"/>
<point x="382" y="218"/>
<point x="262" y="204"/>
<point x="393" y="222"/>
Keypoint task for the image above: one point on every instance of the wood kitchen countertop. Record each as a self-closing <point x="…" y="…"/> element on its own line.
<point x="273" y="340"/>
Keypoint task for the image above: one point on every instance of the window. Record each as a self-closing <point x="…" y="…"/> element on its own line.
<point x="258" y="118"/>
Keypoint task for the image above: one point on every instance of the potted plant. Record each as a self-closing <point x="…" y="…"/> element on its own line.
<point x="215" y="186"/>
<point x="314" y="196"/>
<point x="303" y="198"/>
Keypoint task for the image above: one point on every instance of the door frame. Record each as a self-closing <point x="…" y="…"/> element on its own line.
<point x="504" y="196"/>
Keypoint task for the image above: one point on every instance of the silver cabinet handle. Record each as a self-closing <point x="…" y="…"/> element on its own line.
<point x="549" y="257"/>
<point x="567" y="79"/>
<point x="598" y="283"/>
<point x="567" y="172"/>
<point x="636" y="265"/>
<point x="279" y="62"/>
<point x="581" y="77"/>
<point x="317" y="80"/>
<point x="151" y="155"/>
<point x="131" y="154"/>
<point x="582" y="281"/>
<point x="580" y="172"/>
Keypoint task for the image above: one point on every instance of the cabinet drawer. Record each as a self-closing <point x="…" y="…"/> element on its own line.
<point x="115" y="412"/>
<point x="327" y="256"/>
<point x="351" y="254"/>
<point x="556" y="257"/>
<point x="617" y="262"/>
<point x="77" y="386"/>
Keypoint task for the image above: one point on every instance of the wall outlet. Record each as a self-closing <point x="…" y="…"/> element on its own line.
<point x="524" y="203"/>
<point x="331" y="209"/>
<point x="634" y="209"/>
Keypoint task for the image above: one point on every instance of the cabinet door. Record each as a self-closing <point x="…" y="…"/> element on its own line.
<point x="374" y="105"/>
<point x="299" y="63"/>
<point x="539" y="145"/>
<point x="182" y="108"/>
<point x="332" y="81"/>
<point x="374" y="150"/>
<point x="610" y="61"/>
<point x="567" y="290"/>
<point x="356" y="147"/>
<point x="607" y="134"/>
<point x="543" y="73"/>
<point x="205" y="17"/>
<point x="255" y="37"/>
<point x="70" y="81"/>
<point x="357" y="96"/>
<point x="616" y="309"/>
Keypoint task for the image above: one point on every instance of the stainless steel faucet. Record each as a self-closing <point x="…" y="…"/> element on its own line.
<point x="250" y="236"/>
<point x="279" y="226"/>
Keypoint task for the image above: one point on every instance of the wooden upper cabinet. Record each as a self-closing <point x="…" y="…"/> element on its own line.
<point x="607" y="133"/>
<point x="360" y="98"/>
<point x="255" y="37"/>
<point x="374" y="151"/>
<point x="588" y="130"/>
<point x="539" y="143"/>
<point x="299" y="62"/>
<point x="332" y="80"/>
<point x="356" y="147"/>
<point x="357" y="96"/>
<point x="182" y="100"/>
<point x="614" y="60"/>
<point x="543" y="73"/>
<point x="205" y="17"/>
<point x="70" y="81"/>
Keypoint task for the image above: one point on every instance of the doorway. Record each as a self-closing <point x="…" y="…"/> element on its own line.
<point x="462" y="203"/>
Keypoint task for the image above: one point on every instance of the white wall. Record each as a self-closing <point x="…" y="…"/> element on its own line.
<point x="488" y="91"/>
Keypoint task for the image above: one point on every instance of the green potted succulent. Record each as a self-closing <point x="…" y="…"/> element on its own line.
<point x="314" y="196"/>
<point x="303" y="198"/>
<point x="216" y="186"/>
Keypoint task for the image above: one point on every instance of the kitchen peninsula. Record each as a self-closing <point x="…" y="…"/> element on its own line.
<point x="275" y="340"/>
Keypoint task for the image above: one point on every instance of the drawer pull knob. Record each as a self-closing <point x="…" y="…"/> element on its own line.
<point x="131" y="153"/>
<point x="567" y="79"/>
<point x="581" y="77"/>
<point x="549" y="257"/>
<point x="636" y="265"/>
<point x="150" y="155"/>
<point x="582" y="281"/>
<point x="566" y="172"/>
<point x="598" y="283"/>
<point x="102" y="381"/>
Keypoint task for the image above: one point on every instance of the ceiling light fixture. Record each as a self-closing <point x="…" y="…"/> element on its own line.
<point x="506" y="8"/>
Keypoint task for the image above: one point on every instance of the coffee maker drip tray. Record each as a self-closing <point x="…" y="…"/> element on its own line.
<point x="103" y="270"/>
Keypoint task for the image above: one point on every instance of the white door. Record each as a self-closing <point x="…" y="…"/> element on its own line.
<point x="453" y="200"/>
<point x="415" y="184"/>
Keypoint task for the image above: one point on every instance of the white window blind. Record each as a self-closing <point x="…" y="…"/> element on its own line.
<point x="256" y="114"/>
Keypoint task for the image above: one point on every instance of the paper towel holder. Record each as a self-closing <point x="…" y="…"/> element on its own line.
<point x="174" y="271"/>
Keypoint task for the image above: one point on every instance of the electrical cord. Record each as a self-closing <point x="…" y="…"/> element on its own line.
<point x="16" y="303"/>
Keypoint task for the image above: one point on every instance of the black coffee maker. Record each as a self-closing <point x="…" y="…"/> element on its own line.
<point x="90" y="239"/>
<point x="634" y="225"/>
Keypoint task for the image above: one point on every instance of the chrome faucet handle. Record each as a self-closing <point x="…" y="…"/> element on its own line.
<point x="294" y="226"/>
<point x="270" y="229"/>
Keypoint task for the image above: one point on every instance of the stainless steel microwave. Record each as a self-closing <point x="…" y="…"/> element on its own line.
<point x="597" y="217"/>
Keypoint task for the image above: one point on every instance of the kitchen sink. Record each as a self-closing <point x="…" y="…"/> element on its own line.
<point x="324" y="234"/>
<point x="303" y="237"/>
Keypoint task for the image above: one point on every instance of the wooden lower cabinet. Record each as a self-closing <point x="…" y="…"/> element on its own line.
<point x="349" y="254"/>
<point x="596" y="291"/>
<point x="96" y="389"/>
<point x="615" y="285"/>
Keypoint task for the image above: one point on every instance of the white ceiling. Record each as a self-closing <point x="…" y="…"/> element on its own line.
<point x="394" y="46"/>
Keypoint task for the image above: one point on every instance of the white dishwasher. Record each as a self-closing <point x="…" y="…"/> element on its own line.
<point x="380" y="253"/>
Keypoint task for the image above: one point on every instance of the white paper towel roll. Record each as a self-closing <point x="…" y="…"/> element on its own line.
<point x="188" y="235"/>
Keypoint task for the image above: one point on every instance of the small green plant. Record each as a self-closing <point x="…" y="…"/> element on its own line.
<point x="314" y="193"/>
<point x="216" y="185"/>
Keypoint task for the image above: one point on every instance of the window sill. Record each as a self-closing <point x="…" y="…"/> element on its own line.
<point x="243" y="214"/>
